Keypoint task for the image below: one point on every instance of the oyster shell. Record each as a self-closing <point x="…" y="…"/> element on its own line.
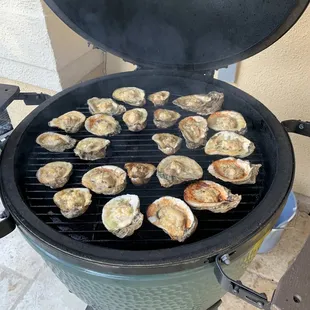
<point x="194" y="130"/>
<point x="228" y="121"/>
<point x="121" y="215"/>
<point x="173" y="216"/>
<point x="164" y="118"/>
<point x="159" y="98"/>
<point x="230" y="144"/>
<point x="169" y="144"/>
<point x="135" y="119"/>
<point x="102" y="125"/>
<point x="73" y="202"/>
<point x="70" y="122"/>
<point x="55" y="142"/>
<point x="203" y="104"/>
<point x="55" y="174"/>
<point x="106" y="180"/>
<point x="140" y="173"/>
<point x="234" y="170"/>
<point x="105" y="106"/>
<point x="131" y="95"/>
<point x="208" y="195"/>
<point x="175" y="169"/>
<point x="91" y="148"/>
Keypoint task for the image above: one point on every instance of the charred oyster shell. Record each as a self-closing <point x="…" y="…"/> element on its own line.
<point x="73" y="202"/>
<point x="91" y="148"/>
<point x="102" y="125"/>
<point x="208" y="195"/>
<point x="203" y="104"/>
<point x="229" y="144"/>
<point x="55" y="142"/>
<point x="169" y="144"/>
<point x="194" y="130"/>
<point x="105" y="106"/>
<point x="159" y="98"/>
<point x="131" y="95"/>
<point x="70" y="122"/>
<point x="234" y="170"/>
<point x="121" y="215"/>
<point x="106" y="180"/>
<point x="55" y="174"/>
<point x="164" y="118"/>
<point x="173" y="216"/>
<point x="227" y="121"/>
<point x="140" y="173"/>
<point x="135" y="119"/>
<point x="175" y="169"/>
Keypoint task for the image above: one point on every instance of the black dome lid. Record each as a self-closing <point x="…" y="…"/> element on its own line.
<point x="182" y="34"/>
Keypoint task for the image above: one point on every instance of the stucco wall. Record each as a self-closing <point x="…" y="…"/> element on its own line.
<point x="279" y="77"/>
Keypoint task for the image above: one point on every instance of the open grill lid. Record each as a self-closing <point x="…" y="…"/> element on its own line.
<point x="188" y="35"/>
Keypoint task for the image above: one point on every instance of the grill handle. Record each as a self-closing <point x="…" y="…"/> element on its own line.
<point x="297" y="126"/>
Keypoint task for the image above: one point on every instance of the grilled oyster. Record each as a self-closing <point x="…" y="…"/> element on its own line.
<point x="230" y="144"/>
<point x="91" y="148"/>
<point x="121" y="215"/>
<point x="164" y="118"/>
<point x="55" y="142"/>
<point x="107" y="180"/>
<point x="73" y="202"/>
<point x="105" y="106"/>
<point x="131" y="95"/>
<point x="55" y="174"/>
<point x="140" y="173"/>
<point x="234" y="170"/>
<point x="173" y="216"/>
<point x="135" y="119"/>
<point x="201" y="104"/>
<point x="169" y="144"/>
<point x="194" y="130"/>
<point x="174" y="170"/>
<point x="160" y="98"/>
<point x="70" y="122"/>
<point x="207" y="195"/>
<point x="102" y="125"/>
<point x="227" y="120"/>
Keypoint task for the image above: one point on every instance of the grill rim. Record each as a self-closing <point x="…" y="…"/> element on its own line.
<point x="225" y="241"/>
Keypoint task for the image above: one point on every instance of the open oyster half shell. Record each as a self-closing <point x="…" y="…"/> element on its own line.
<point x="55" y="174"/>
<point x="102" y="125"/>
<point x="73" y="202"/>
<point x="106" y="180"/>
<point x="234" y="170"/>
<point x="168" y="143"/>
<point x="229" y="143"/>
<point x="70" y="122"/>
<point x="91" y="148"/>
<point x="140" y="173"/>
<point x="203" y="104"/>
<point x="227" y="121"/>
<point x="105" y="106"/>
<point x="173" y="216"/>
<point x="164" y="118"/>
<point x="194" y="130"/>
<point x="55" y="142"/>
<point x="135" y="119"/>
<point x="121" y="215"/>
<point x="208" y="195"/>
<point x="159" y="98"/>
<point x="175" y="169"/>
<point x="131" y="95"/>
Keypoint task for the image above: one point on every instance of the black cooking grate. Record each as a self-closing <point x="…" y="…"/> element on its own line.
<point x="138" y="147"/>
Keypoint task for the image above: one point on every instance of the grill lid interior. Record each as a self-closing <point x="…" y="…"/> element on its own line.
<point x="191" y="35"/>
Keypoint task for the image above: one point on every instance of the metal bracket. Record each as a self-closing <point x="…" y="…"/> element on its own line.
<point x="297" y="126"/>
<point x="236" y="288"/>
